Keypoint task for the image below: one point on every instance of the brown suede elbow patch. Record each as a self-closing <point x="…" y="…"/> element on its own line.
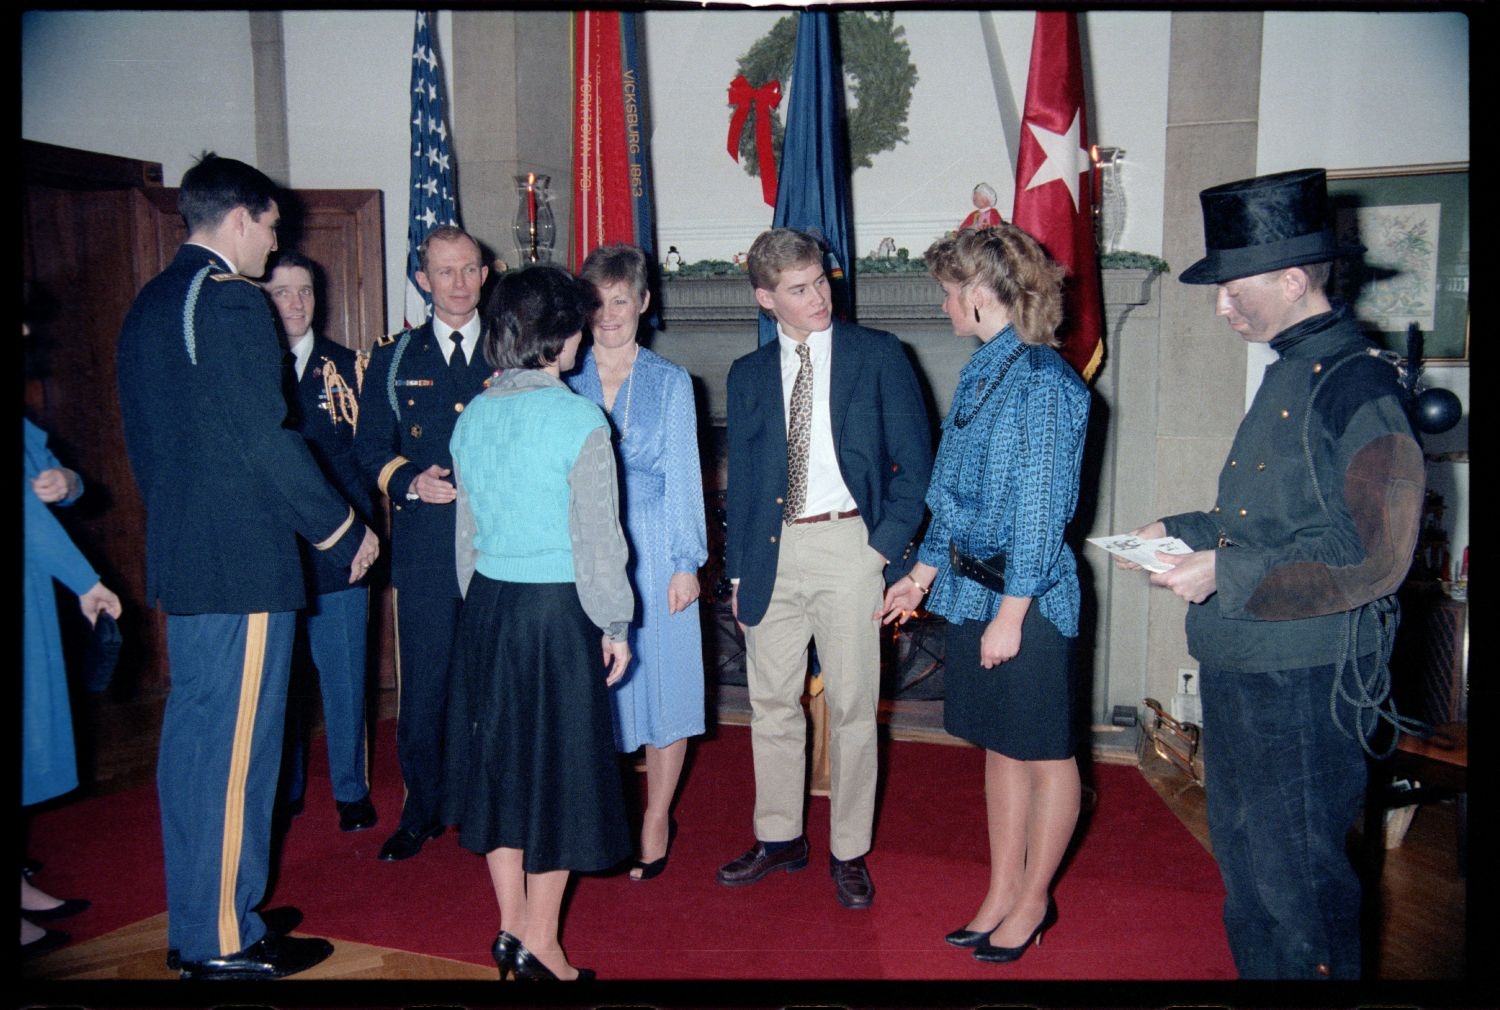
<point x="1383" y="491"/>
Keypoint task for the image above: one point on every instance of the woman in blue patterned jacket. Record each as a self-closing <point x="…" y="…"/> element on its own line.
<point x="993" y="562"/>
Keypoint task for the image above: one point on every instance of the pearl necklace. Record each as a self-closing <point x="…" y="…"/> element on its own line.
<point x="629" y="392"/>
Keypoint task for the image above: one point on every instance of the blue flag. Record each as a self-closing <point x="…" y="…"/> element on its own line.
<point x="813" y="190"/>
<point x="433" y="196"/>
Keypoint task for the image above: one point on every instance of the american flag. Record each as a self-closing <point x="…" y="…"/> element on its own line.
<point x="433" y="196"/>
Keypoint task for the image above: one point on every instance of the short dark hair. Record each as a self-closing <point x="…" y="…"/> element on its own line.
<point x="1318" y="274"/>
<point x="215" y="186"/>
<point x="446" y="233"/>
<point x="531" y="313"/>
<point x="615" y="264"/>
<point x="291" y="258"/>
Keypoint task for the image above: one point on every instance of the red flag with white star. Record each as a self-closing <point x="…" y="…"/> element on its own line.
<point x="1054" y="190"/>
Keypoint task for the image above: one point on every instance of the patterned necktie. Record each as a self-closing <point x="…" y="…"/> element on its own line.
<point x="456" y="359"/>
<point x="799" y="437"/>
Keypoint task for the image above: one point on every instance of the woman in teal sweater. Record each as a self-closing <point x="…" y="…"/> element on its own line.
<point x="532" y="779"/>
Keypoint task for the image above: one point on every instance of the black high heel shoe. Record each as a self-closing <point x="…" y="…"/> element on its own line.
<point x="656" y="866"/>
<point x="504" y="952"/>
<point x="969" y="937"/>
<point x="991" y="954"/>
<point x="529" y="968"/>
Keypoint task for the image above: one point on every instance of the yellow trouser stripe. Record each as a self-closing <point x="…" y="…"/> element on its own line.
<point x="239" y="771"/>
<point x="396" y="645"/>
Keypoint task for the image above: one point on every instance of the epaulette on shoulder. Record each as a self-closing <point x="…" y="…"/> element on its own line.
<point x="233" y="277"/>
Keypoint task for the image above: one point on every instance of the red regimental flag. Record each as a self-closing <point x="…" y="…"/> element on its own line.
<point x="602" y="207"/>
<point x="1054" y="195"/>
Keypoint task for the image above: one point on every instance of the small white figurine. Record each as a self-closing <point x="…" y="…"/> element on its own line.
<point x="886" y="249"/>
<point x="674" y="260"/>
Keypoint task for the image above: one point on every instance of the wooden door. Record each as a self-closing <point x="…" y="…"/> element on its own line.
<point x="95" y="229"/>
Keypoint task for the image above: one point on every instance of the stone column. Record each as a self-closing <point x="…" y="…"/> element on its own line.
<point x="1212" y="123"/>
<point x="268" y="62"/>
<point x="511" y="110"/>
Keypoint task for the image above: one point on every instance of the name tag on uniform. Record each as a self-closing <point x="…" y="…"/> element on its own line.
<point x="414" y="382"/>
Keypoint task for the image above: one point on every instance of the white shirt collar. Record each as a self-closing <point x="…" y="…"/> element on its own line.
<point x="469" y="331"/>
<point x="227" y="261"/>
<point x="301" y="350"/>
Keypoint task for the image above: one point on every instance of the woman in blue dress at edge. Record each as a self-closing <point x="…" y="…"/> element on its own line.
<point x="532" y="778"/>
<point x="1006" y="480"/>
<point x="659" y="704"/>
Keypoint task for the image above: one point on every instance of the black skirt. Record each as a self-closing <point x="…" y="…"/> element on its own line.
<point x="1022" y="708"/>
<point x="530" y="759"/>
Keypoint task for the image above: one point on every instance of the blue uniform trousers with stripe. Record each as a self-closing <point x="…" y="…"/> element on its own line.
<point x="335" y="626"/>
<point x="216" y="774"/>
<point x="426" y="626"/>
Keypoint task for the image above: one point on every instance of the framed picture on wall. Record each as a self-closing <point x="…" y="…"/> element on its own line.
<point x="1414" y="223"/>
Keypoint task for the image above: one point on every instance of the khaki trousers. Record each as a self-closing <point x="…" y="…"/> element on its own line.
<point x="828" y="587"/>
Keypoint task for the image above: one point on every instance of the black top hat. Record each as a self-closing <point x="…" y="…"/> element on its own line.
<point x="1267" y="223"/>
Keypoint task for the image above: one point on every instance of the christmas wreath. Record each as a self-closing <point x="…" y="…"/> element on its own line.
<point x="877" y="62"/>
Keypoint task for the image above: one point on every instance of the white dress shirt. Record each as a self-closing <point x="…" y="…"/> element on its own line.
<point x="301" y="351"/>
<point x="470" y="331"/>
<point x="826" y="491"/>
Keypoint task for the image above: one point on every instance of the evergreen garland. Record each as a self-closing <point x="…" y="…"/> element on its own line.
<point x="876" y="58"/>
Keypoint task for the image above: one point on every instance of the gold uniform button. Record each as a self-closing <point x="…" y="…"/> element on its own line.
<point x="1234" y="462"/>
<point x="1260" y="466"/>
<point x="1317" y="368"/>
<point x="1285" y="414"/>
<point x="458" y="408"/>
<point x="1216" y="509"/>
<point x="773" y="540"/>
<point x="1243" y="513"/>
<point x="416" y="431"/>
<point x="780" y="501"/>
<point x="411" y="403"/>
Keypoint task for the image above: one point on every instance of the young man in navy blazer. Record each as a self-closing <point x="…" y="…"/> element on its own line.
<point x="829" y="455"/>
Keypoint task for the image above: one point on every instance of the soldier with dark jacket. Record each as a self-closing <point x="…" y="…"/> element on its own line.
<point x="1291" y="580"/>
<point x="228" y="491"/>
<point x="417" y="384"/>
<point x="322" y="380"/>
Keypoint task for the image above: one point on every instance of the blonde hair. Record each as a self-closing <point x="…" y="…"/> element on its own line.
<point x="1015" y="269"/>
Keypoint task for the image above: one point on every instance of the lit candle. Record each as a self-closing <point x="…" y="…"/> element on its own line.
<point x="1096" y="188"/>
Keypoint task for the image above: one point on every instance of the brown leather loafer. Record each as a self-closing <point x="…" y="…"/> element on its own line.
<point x="756" y="863"/>
<point x="851" y="882"/>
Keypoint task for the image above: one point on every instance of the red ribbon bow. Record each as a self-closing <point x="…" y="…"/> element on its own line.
<point x="765" y="98"/>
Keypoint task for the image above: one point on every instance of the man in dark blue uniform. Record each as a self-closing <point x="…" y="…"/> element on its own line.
<point x="322" y="379"/>
<point x="228" y="491"/>
<point x="417" y="384"/>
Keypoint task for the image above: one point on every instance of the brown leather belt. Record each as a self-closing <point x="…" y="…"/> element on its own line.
<point x="823" y="517"/>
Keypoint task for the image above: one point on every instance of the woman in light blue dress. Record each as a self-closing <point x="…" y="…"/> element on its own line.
<point x="649" y="400"/>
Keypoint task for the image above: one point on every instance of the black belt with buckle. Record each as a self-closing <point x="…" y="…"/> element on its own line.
<point x="823" y="517"/>
<point x="988" y="572"/>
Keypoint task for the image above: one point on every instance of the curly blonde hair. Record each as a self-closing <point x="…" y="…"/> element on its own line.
<point x="1014" y="267"/>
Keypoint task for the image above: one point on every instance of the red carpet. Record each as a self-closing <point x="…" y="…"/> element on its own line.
<point x="1140" y="898"/>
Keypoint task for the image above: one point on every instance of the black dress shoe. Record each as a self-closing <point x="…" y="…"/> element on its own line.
<point x="50" y="940"/>
<point x="406" y="843"/>
<point x="270" y="957"/>
<point x="756" y="863"/>
<point x="991" y="954"/>
<point x="70" y="907"/>
<point x="356" y="815"/>
<point x="279" y="921"/>
<point x="851" y="882"/>
<point x="654" y="868"/>
<point x="529" y="968"/>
